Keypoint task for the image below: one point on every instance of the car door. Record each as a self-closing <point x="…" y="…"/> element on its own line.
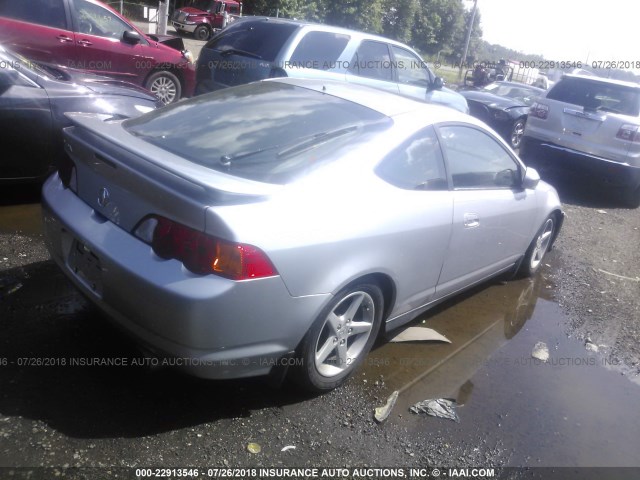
<point x="417" y="169"/>
<point x="372" y="66"/>
<point x="26" y="124"/>
<point x="100" y="46"/>
<point x="38" y="29"/>
<point x="491" y="211"/>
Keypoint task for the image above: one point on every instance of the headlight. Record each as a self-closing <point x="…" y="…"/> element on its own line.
<point x="188" y="56"/>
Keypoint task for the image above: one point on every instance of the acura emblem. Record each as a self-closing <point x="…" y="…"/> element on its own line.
<point x="103" y="197"/>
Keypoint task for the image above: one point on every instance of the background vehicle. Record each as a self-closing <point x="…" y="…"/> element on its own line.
<point x="332" y="211"/>
<point x="503" y="106"/>
<point x="257" y="48"/>
<point x="33" y="100"/>
<point x="203" y="17"/>
<point x="589" y="125"/>
<point x="88" y="35"/>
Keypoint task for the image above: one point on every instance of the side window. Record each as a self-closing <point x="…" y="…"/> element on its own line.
<point x="372" y="60"/>
<point x="319" y="50"/>
<point x="476" y="160"/>
<point x="43" y="12"/>
<point x="95" y="20"/>
<point x="411" y="69"/>
<point x="416" y="165"/>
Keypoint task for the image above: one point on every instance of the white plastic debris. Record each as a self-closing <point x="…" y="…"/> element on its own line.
<point x="540" y="351"/>
<point x="288" y="447"/>
<point x="419" y="334"/>
<point x="438" y="407"/>
<point x="591" y="347"/>
<point x="382" y="413"/>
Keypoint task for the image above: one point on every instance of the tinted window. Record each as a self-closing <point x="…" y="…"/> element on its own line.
<point x="92" y="19"/>
<point x="594" y="95"/>
<point x="270" y="132"/>
<point x="43" y="12"/>
<point x="476" y="160"/>
<point x="417" y="164"/>
<point x="261" y="39"/>
<point x="319" y="50"/>
<point x="372" y="60"/>
<point x="411" y="69"/>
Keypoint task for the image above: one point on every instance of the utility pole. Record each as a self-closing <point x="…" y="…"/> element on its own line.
<point x="468" y="39"/>
<point x="163" y="14"/>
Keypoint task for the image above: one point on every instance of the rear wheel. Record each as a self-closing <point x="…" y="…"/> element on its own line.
<point x="539" y="247"/>
<point x="340" y="338"/>
<point x="202" y="32"/>
<point x="165" y="85"/>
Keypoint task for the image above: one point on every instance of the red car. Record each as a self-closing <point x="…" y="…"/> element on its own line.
<point x="89" y="35"/>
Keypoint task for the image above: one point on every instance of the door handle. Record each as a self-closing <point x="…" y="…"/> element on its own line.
<point x="471" y="220"/>
<point x="85" y="43"/>
<point x="64" y="39"/>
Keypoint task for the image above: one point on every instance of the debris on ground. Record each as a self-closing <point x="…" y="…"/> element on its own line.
<point x="254" y="448"/>
<point x="590" y="346"/>
<point x="437" y="407"/>
<point x="288" y="447"/>
<point x="419" y="334"/>
<point x="540" y="351"/>
<point x="636" y="279"/>
<point x="6" y="290"/>
<point x="382" y="413"/>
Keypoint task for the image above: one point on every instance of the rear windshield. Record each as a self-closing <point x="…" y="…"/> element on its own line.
<point x="269" y="132"/>
<point x="598" y="96"/>
<point x="261" y="40"/>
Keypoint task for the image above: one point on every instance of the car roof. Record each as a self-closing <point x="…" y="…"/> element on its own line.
<point x="593" y="78"/>
<point x="320" y="26"/>
<point x="386" y="103"/>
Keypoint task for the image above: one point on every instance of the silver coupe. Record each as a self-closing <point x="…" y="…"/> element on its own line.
<point x="280" y="226"/>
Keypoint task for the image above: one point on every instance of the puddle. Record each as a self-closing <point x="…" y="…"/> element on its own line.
<point x="25" y="219"/>
<point x="576" y="409"/>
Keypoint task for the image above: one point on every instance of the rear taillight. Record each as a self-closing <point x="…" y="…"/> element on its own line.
<point x="539" y="110"/>
<point x="629" y="133"/>
<point x="204" y="254"/>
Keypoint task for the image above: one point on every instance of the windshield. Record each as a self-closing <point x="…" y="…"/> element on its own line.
<point x="203" y="5"/>
<point x="269" y="132"/>
<point x="521" y="93"/>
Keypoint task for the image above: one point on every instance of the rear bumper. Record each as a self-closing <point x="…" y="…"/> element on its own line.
<point x="207" y="326"/>
<point x="549" y="155"/>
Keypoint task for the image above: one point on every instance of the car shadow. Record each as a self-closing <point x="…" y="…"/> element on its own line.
<point x="46" y="325"/>
<point x="15" y="194"/>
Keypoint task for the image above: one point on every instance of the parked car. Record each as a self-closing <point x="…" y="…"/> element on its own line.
<point x="257" y="48"/>
<point x="89" y="35"/>
<point x="203" y="17"/>
<point x="33" y="99"/>
<point x="589" y="125"/>
<point x="287" y="221"/>
<point x="504" y="107"/>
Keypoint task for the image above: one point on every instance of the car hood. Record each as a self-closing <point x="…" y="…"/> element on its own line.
<point x="491" y="100"/>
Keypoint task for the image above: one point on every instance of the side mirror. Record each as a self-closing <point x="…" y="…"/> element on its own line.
<point x="131" y="36"/>
<point x="531" y="178"/>
<point x="438" y="83"/>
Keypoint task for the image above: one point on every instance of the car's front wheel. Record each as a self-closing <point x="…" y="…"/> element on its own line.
<point x="340" y="338"/>
<point x="517" y="132"/>
<point x="202" y="32"/>
<point x="164" y="85"/>
<point x="539" y="247"/>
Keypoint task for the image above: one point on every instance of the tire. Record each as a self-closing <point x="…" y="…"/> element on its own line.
<point x="539" y="247"/>
<point x="202" y="32"/>
<point x="517" y="132"/>
<point x="165" y="85"/>
<point x="352" y="320"/>
<point x="631" y="198"/>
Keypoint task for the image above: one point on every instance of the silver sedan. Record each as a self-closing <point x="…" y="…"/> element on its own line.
<point x="280" y="226"/>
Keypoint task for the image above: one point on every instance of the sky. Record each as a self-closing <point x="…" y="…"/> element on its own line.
<point x="569" y="30"/>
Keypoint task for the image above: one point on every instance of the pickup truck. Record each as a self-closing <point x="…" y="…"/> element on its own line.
<point x="203" y="17"/>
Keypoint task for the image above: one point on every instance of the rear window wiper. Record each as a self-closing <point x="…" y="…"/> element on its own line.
<point x="237" y="51"/>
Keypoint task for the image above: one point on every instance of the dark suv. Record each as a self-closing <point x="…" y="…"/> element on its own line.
<point x="588" y="124"/>
<point x="255" y="48"/>
<point x="88" y="35"/>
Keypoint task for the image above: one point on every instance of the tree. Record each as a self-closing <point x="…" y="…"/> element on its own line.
<point x="398" y="19"/>
<point x="437" y="24"/>
<point x="363" y="15"/>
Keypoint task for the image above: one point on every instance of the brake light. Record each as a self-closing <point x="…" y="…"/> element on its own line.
<point x="204" y="254"/>
<point x="629" y="133"/>
<point x="539" y="110"/>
